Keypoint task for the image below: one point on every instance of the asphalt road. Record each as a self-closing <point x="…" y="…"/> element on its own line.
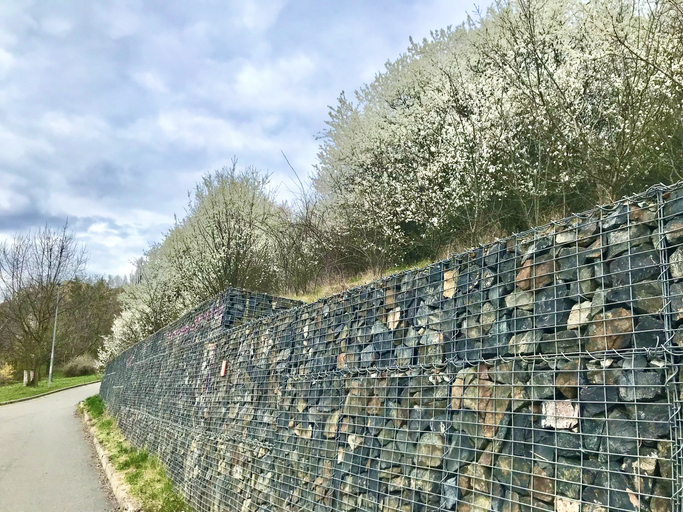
<point x="46" y="463"/>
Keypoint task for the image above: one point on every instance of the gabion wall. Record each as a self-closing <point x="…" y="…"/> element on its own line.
<point x="537" y="373"/>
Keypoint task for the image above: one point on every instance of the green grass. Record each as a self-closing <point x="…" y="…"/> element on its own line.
<point x="17" y="390"/>
<point x="142" y="472"/>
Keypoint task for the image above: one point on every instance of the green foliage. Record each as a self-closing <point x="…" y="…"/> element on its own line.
<point x="87" y="312"/>
<point x="134" y="459"/>
<point x="143" y="472"/>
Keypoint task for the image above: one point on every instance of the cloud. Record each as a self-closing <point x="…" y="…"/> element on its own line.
<point x="56" y="26"/>
<point x="151" y="81"/>
<point x="110" y="112"/>
<point x="258" y="16"/>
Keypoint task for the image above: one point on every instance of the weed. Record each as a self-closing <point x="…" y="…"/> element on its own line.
<point x="95" y="406"/>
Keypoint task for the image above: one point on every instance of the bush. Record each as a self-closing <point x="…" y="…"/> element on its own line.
<point x="81" y="365"/>
<point x="6" y="373"/>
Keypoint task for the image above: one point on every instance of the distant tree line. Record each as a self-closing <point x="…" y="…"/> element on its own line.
<point x="527" y="112"/>
<point x="38" y="270"/>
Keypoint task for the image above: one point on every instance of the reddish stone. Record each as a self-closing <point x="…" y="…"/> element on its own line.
<point x="608" y="331"/>
<point x="535" y="276"/>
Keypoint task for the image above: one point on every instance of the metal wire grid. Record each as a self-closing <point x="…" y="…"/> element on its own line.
<point x="538" y="372"/>
<point x="231" y="308"/>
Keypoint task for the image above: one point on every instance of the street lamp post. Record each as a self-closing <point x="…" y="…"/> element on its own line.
<point x="54" y="334"/>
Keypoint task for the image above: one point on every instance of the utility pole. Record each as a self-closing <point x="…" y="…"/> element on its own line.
<point x="54" y="334"/>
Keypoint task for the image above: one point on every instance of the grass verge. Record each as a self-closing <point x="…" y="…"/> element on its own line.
<point x="143" y="472"/>
<point x="17" y="390"/>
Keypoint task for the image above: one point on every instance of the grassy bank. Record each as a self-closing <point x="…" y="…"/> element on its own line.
<point x="17" y="390"/>
<point x="143" y="472"/>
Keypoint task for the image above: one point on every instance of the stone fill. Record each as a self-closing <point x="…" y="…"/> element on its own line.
<point x="535" y="373"/>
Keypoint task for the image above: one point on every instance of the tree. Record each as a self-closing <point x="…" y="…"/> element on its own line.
<point x="148" y="303"/>
<point x="87" y="311"/>
<point x="586" y="110"/>
<point x="225" y="239"/>
<point x="300" y="238"/>
<point x="529" y="111"/>
<point x="32" y="267"/>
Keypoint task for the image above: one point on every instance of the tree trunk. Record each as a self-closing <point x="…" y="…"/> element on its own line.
<point x="30" y="378"/>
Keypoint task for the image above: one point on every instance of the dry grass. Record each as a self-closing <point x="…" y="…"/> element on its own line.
<point x="334" y="286"/>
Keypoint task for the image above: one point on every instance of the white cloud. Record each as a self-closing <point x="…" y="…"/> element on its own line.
<point x="198" y="131"/>
<point x="7" y="62"/>
<point x="75" y="126"/>
<point x="258" y="15"/>
<point x="119" y="20"/>
<point x="18" y="148"/>
<point x="56" y="26"/>
<point x="151" y="81"/>
<point x="273" y="85"/>
<point x="10" y="200"/>
<point x="111" y="111"/>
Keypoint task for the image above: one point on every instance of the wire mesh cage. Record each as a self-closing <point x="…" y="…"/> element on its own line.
<point x="536" y="373"/>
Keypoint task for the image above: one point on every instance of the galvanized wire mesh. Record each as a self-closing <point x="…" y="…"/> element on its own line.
<point x="539" y="372"/>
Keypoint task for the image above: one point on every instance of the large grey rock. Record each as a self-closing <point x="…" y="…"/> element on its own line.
<point x="525" y="343"/>
<point x="642" y="263"/>
<point x="552" y="307"/>
<point x="636" y="385"/>
<point x="430" y="450"/>
<point x="674" y="231"/>
<point x="645" y="297"/>
<point x="676" y="264"/>
<point x="541" y="385"/>
<point x="621" y="239"/>
<point x="520" y="299"/>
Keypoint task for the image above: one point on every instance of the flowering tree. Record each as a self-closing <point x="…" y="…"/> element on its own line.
<point x="224" y="240"/>
<point x="528" y="111"/>
<point x="533" y="108"/>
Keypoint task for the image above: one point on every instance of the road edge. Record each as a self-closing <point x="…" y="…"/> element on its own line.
<point x="118" y="487"/>
<point x="26" y="399"/>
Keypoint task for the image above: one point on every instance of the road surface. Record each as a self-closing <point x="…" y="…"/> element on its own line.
<point x="46" y="463"/>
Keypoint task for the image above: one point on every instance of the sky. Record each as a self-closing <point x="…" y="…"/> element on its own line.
<point x="111" y="111"/>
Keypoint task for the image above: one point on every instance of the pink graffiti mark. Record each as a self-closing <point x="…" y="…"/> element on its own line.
<point x="198" y="321"/>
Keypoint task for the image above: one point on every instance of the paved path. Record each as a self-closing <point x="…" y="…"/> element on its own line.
<point x="46" y="463"/>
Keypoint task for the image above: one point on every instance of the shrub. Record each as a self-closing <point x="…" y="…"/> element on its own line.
<point x="6" y="373"/>
<point x="81" y="365"/>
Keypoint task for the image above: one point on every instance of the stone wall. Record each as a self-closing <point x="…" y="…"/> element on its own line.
<point x="536" y="373"/>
